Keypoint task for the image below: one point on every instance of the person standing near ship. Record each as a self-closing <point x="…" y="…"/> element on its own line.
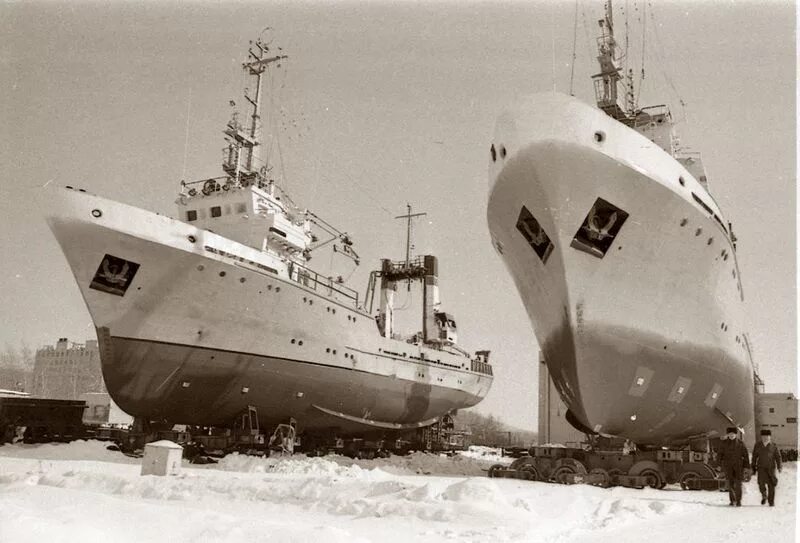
<point x="734" y="460"/>
<point x="766" y="457"/>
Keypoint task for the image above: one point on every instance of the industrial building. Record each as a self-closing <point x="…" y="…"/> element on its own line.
<point x="777" y="411"/>
<point x="67" y="370"/>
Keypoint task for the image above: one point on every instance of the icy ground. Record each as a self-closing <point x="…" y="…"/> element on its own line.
<point x="81" y="492"/>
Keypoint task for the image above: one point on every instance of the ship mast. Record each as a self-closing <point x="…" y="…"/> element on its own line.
<point x="606" y="83"/>
<point x="242" y="157"/>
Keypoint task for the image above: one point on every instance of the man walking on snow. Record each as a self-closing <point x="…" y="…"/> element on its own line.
<point x="766" y="457"/>
<point x="734" y="459"/>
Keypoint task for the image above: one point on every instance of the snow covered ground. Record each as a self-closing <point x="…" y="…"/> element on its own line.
<point x="82" y="492"/>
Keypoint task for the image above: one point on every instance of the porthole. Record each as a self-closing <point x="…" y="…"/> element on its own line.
<point x="493" y="152"/>
<point x="599" y="136"/>
<point x="300" y="342"/>
<point x="96" y="213"/>
<point x="722" y="326"/>
<point x="333" y="310"/>
<point x="328" y="309"/>
<point x="242" y="279"/>
<point x="192" y="239"/>
<point x="277" y="289"/>
<point x="682" y="181"/>
<point x="334" y="351"/>
<point x="684" y="222"/>
<point x="269" y="287"/>
<point x="310" y="302"/>
<point x="503" y="151"/>
<point x="698" y="231"/>
<point x="725" y="257"/>
<point x="200" y="267"/>
<point x="293" y="341"/>
<point x="710" y="241"/>
<point x="328" y="349"/>
<point x="222" y="274"/>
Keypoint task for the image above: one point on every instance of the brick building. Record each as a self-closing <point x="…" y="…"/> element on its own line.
<point x="67" y="370"/>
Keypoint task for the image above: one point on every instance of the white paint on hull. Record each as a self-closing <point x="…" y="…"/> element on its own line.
<point x="184" y="294"/>
<point x="663" y="298"/>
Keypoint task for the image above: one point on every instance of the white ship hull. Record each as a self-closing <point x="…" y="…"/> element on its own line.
<point x="646" y="341"/>
<point x="208" y="326"/>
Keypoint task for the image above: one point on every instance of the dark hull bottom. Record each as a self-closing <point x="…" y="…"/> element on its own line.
<point x="650" y="389"/>
<point x="190" y="385"/>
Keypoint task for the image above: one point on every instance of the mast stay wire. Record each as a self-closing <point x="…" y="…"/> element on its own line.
<point x="186" y="140"/>
<point x="643" y="20"/>
<point x="662" y="63"/>
<point x="553" y="43"/>
<point x="586" y="33"/>
<point x="574" y="50"/>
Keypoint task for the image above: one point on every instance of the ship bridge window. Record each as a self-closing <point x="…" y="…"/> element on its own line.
<point x="534" y="234"/>
<point x="191" y="215"/>
<point x="216" y="211"/>
<point x="599" y="229"/>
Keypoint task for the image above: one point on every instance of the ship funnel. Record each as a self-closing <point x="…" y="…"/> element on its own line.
<point x="430" y="294"/>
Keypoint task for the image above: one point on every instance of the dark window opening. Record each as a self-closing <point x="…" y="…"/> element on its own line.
<point x="216" y="211"/>
<point x="534" y="234"/>
<point x="279" y="232"/>
<point x="771" y="409"/>
<point x="493" y="153"/>
<point x="599" y="228"/>
<point x="191" y="215"/>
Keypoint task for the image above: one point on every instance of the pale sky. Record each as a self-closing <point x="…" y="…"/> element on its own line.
<point x="384" y="104"/>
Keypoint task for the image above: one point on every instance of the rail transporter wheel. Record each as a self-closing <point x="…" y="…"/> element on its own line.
<point x="565" y="467"/>
<point x="603" y="476"/>
<point x="526" y="468"/>
<point x="698" y="471"/>
<point x="650" y="471"/>
<point x="494" y="469"/>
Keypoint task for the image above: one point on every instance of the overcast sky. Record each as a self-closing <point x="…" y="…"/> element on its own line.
<point x="384" y="104"/>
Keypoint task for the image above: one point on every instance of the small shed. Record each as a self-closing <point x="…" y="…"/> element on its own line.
<point x="162" y="458"/>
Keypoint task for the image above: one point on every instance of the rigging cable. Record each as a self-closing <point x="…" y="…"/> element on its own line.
<point x="586" y="33"/>
<point x="186" y="141"/>
<point x="662" y="62"/>
<point x="574" y="50"/>
<point x="553" y="42"/>
<point x="644" y="36"/>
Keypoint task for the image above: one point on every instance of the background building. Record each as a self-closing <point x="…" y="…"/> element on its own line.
<point x="553" y="425"/>
<point x="67" y="370"/>
<point x="777" y="411"/>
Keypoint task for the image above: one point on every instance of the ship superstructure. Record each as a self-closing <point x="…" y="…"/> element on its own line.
<point x="625" y="263"/>
<point x="203" y="316"/>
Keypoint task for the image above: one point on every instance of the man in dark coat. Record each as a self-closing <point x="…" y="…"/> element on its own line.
<point x="766" y="457"/>
<point x="734" y="459"/>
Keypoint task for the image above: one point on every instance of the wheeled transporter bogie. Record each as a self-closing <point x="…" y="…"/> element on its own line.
<point x="654" y="469"/>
